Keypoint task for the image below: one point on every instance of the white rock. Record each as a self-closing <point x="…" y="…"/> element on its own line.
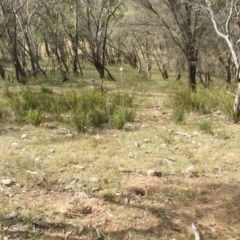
<point x="24" y="136"/>
<point x="10" y="216"/>
<point x="7" y="182"/>
<point x="154" y="173"/>
<point x="94" y="179"/>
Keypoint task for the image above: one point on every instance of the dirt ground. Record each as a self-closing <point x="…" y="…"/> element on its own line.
<point x="57" y="184"/>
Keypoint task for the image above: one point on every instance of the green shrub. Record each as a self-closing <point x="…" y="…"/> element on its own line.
<point x="46" y="90"/>
<point x="205" y="126"/>
<point x="120" y="117"/>
<point x="225" y="101"/>
<point x="33" y="117"/>
<point x="80" y="121"/>
<point x="70" y="100"/>
<point x="191" y="101"/>
<point x="124" y="99"/>
<point x="88" y="108"/>
<point x="3" y="110"/>
<point x="178" y="115"/>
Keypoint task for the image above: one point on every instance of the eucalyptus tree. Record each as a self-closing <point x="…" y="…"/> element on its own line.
<point x="224" y="29"/>
<point x="28" y="22"/>
<point x="99" y="14"/>
<point x="54" y="34"/>
<point x="184" y="21"/>
<point x="9" y="12"/>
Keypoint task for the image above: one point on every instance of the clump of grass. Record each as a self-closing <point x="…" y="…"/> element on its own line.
<point x="121" y="116"/>
<point x="225" y="99"/>
<point x="46" y="90"/>
<point x="184" y="99"/>
<point x="95" y="108"/>
<point x="204" y="101"/>
<point x="178" y="115"/>
<point x="33" y="116"/>
<point x="167" y="137"/>
<point x="205" y="126"/>
<point x="86" y="109"/>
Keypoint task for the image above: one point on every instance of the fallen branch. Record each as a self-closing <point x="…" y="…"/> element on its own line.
<point x="196" y="232"/>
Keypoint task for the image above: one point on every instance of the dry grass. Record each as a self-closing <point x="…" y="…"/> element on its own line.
<point x="81" y="186"/>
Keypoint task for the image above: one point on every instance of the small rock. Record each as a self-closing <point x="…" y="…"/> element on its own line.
<point x="154" y="173"/>
<point x="146" y="140"/>
<point x="191" y="172"/>
<point x="7" y="182"/>
<point x="52" y="150"/>
<point x="137" y="144"/>
<point x="80" y="167"/>
<point x="15" y="145"/>
<point x="37" y="159"/>
<point x="94" y="180"/>
<point x="24" y="136"/>
<point x="51" y="125"/>
<point x="131" y="127"/>
<point x="10" y="216"/>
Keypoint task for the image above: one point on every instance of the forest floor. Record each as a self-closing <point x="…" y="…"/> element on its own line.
<point x="152" y="180"/>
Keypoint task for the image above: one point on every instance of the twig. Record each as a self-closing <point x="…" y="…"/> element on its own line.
<point x="196" y="232"/>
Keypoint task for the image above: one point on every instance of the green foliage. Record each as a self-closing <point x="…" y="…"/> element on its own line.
<point x="203" y="101"/>
<point x="178" y="115"/>
<point x="46" y="90"/>
<point x="121" y="116"/>
<point x="86" y="108"/>
<point x="184" y="99"/>
<point x="225" y="99"/>
<point x="3" y="110"/>
<point x="205" y="126"/>
<point x="95" y="108"/>
<point x="6" y="92"/>
<point x="124" y="99"/>
<point x="33" y="116"/>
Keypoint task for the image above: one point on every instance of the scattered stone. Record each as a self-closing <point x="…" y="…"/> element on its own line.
<point x="51" y="125"/>
<point x="52" y="150"/>
<point x="63" y="131"/>
<point x="24" y="136"/>
<point x="191" y="172"/>
<point x="154" y="173"/>
<point x="131" y="155"/>
<point x="32" y="172"/>
<point x="10" y="216"/>
<point x="131" y="127"/>
<point x="16" y="145"/>
<point x="137" y="144"/>
<point x="37" y="159"/>
<point x="79" y="167"/>
<point x="94" y="180"/>
<point x="7" y="182"/>
<point x="124" y="170"/>
<point x="146" y="140"/>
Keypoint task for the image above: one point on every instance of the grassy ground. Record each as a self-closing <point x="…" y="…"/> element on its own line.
<point x="69" y="185"/>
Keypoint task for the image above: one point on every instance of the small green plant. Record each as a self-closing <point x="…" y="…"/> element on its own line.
<point x="122" y="116"/>
<point x="33" y="116"/>
<point x="178" y="115"/>
<point x="3" y="110"/>
<point x="6" y="92"/>
<point x="125" y="100"/>
<point x="205" y="126"/>
<point x="167" y="137"/>
<point x="46" y="90"/>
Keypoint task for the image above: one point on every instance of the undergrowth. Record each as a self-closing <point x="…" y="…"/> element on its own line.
<point x="83" y="108"/>
<point x="203" y="101"/>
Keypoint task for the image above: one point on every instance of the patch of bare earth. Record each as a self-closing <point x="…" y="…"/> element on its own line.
<point x="102" y="185"/>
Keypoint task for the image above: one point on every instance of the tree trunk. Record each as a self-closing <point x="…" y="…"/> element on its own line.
<point x="2" y="72"/>
<point x="192" y="75"/>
